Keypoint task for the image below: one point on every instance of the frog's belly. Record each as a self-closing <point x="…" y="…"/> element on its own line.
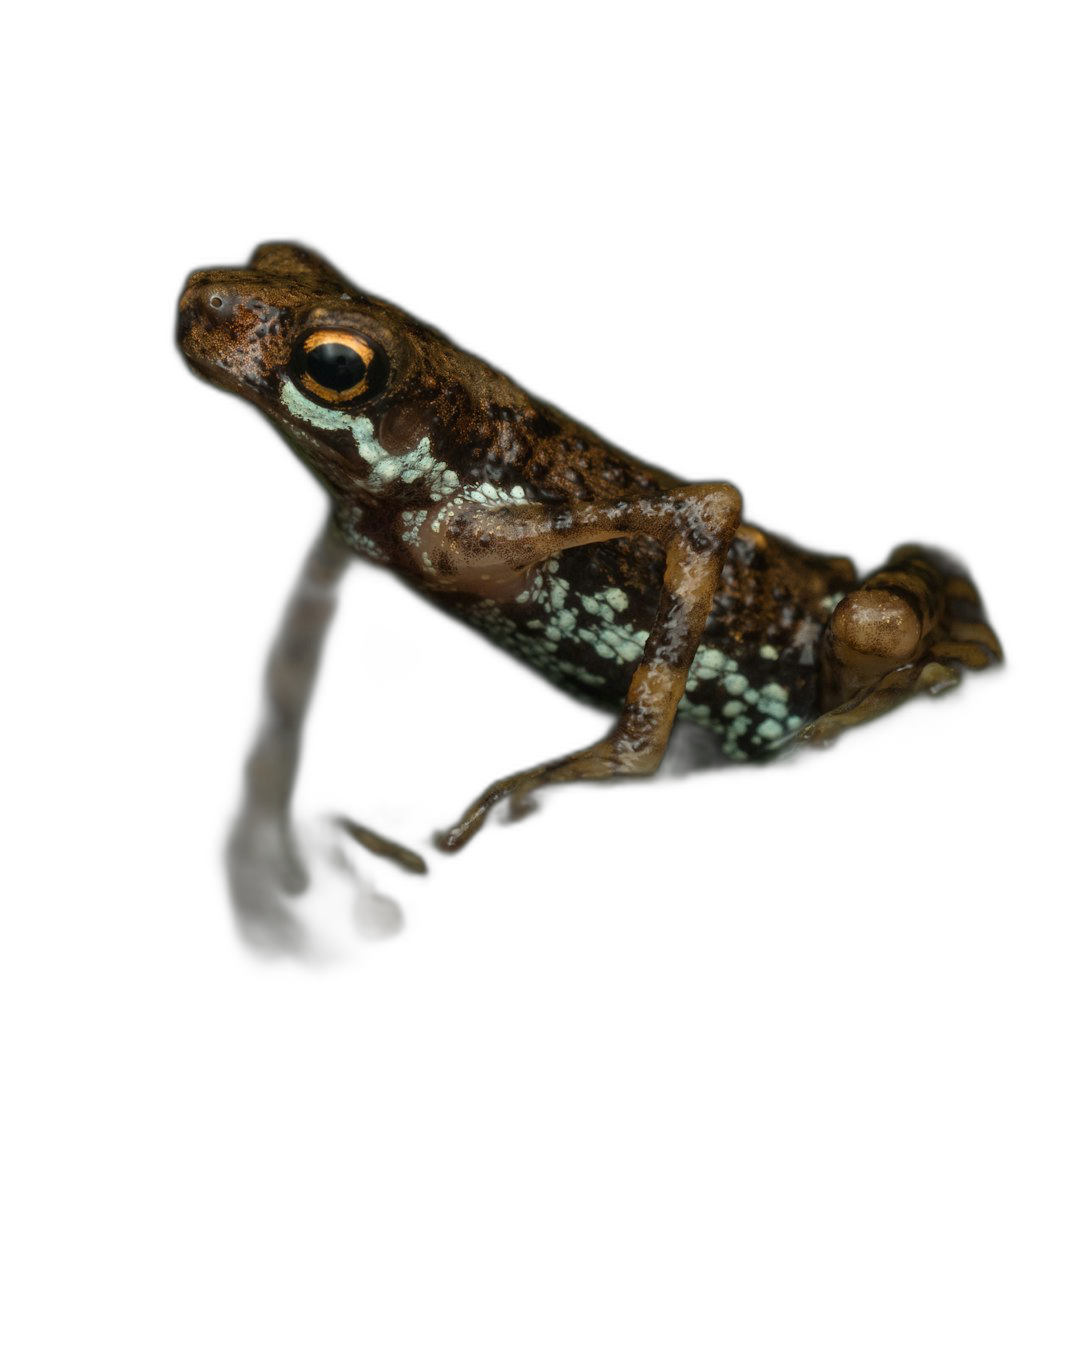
<point x="753" y="680"/>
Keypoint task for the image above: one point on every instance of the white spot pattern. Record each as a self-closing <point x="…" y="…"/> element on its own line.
<point x="415" y="464"/>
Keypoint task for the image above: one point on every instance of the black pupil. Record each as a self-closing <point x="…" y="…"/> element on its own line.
<point x="336" y="366"/>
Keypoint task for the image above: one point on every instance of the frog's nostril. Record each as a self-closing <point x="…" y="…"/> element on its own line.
<point x="204" y="307"/>
<point x="213" y="301"/>
<point x="213" y="304"/>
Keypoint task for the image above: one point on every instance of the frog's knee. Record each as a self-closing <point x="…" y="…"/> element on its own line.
<point x="723" y="507"/>
<point x="878" y="626"/>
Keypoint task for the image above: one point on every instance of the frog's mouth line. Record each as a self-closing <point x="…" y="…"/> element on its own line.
<point x="226" y="379"/>
<point x="207" y="370"/>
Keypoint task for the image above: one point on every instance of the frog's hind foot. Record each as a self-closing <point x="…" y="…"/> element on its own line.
<point x="906" y="629"/>
<point x="267" y="859"/>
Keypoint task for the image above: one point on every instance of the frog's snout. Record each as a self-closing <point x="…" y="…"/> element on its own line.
<point x="202" y="327"/>
<point x="228" y="332"/>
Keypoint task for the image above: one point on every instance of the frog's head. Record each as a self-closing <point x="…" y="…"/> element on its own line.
<point x="327" y="363"/>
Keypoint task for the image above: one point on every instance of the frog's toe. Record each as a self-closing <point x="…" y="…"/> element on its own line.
<point x="519" y="788"/>
<point x="459" y="834"/>
<point x="605" y="759"/>
<point x="373" y="915"/>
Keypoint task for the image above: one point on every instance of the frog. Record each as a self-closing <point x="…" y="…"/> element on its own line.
<point x="611" y="577"/>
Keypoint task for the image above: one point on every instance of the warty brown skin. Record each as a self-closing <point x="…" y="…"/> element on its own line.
<point x="612" y="577"/>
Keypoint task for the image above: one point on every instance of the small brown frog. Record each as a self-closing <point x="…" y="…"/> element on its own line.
<point x="611" y="577"/>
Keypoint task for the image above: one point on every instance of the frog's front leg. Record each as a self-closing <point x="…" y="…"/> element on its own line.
<point x="695" y="525"/>
<point x="262" y="856"/>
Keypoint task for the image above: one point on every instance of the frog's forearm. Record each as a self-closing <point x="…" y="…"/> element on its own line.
<point x="489" y="551"/>
<point x="291" y="671"/>
<point x="691" y="577"/>
<point x="697" y="525"/>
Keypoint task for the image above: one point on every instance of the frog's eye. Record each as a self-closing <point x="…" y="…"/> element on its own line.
<point x="338" y="367"/>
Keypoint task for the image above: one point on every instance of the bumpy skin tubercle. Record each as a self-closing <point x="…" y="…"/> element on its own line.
<point x="609" y="576"/>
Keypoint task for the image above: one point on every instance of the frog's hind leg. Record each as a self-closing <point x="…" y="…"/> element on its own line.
<point x="263" y="857"/>
<point x="905" y="630"/>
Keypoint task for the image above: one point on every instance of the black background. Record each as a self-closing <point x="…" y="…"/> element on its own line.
<point x="812" y="313"/>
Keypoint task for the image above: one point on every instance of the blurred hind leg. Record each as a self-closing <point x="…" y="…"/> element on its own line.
<point x="904" y="630"/>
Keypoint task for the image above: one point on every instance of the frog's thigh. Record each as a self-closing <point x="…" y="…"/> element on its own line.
<point x="900" y="632"/>
<point x="696" y="525"/>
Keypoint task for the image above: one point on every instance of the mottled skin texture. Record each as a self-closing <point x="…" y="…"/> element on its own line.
<point x="611" y="577"/>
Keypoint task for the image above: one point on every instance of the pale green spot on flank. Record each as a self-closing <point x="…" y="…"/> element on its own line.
<point x="616" y="598"/>
<point x="710" y="661"/>
<point x="768" y="652"/>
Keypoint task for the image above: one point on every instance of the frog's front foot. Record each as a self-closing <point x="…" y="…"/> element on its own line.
<point x="268" y="868"/>
<point x="608" y="758"/>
